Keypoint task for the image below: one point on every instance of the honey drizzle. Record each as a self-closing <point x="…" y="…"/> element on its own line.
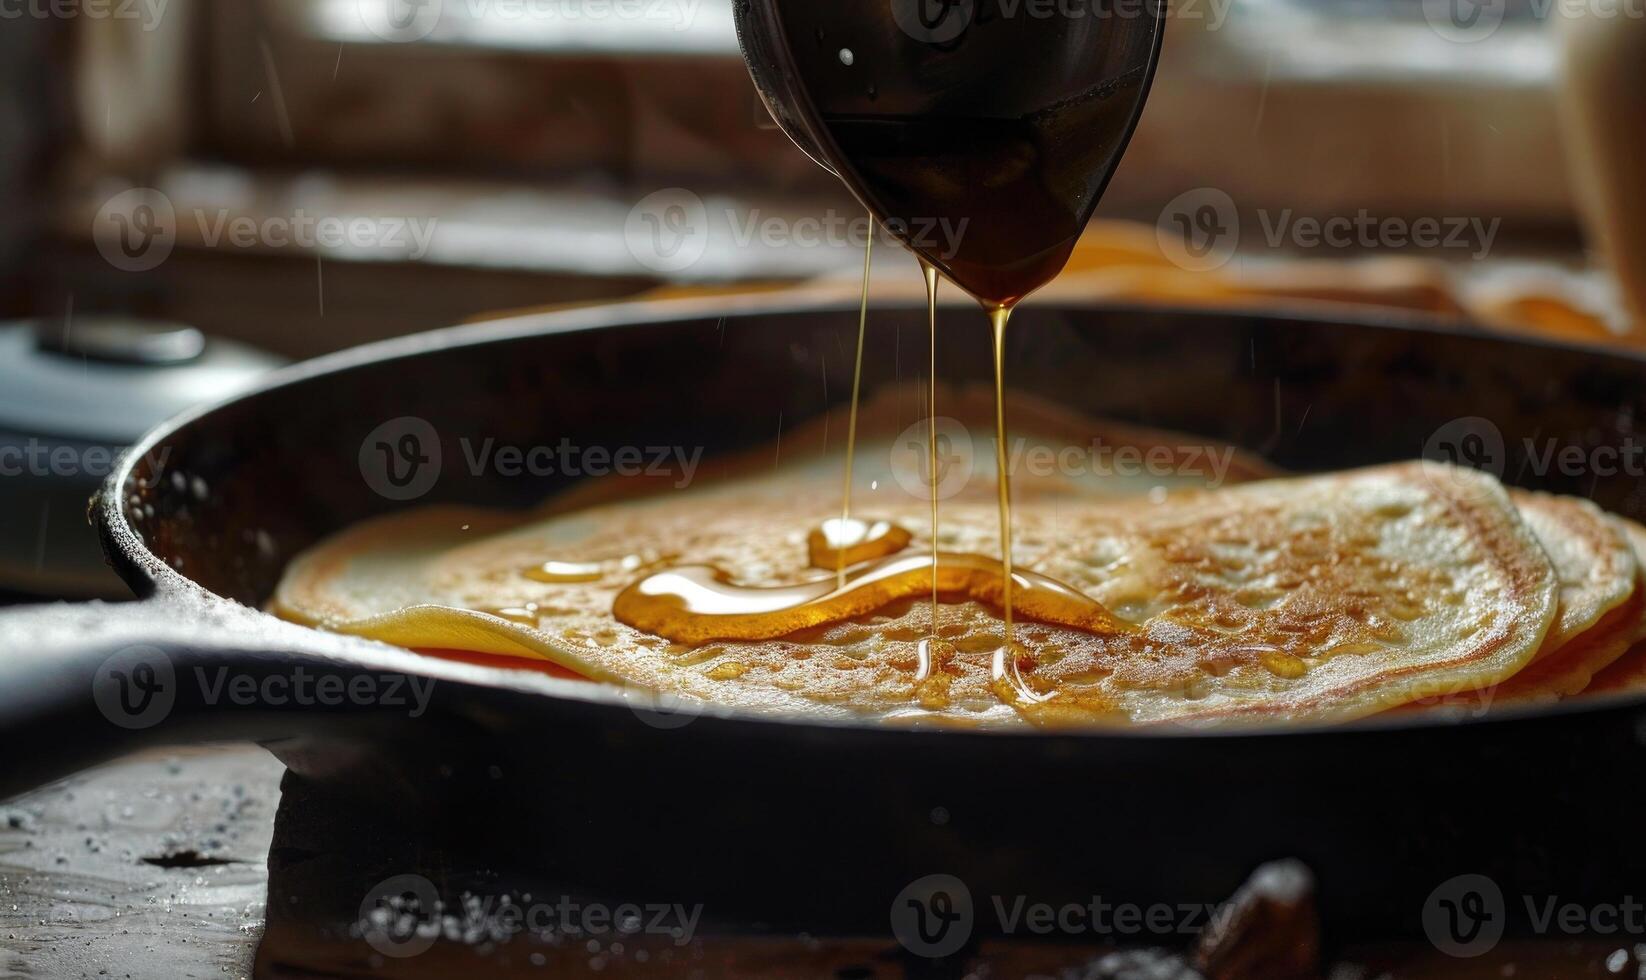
<point x="851" y="423"/>
<point x="999" y="316"/>
<point x="929" y="272"/>
<point x="696" y="604"/>
<point x="699" y="604"/>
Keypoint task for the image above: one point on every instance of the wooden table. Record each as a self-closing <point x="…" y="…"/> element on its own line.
<point x="153" y="867"/>
<point x="158" y="867"/>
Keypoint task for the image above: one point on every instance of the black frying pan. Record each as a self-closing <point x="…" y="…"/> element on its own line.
<point x="812" y="825"/>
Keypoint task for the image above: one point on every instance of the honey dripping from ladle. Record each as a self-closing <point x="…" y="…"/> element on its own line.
<point x="998" y="318"/>
<point x="931" y="648"/>
<point x="842" y="542"/>
<point x="982" y="144"/>
<point x="696" y="604"/>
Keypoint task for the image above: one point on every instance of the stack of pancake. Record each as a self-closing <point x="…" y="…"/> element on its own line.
<point x="1412" y="586"/>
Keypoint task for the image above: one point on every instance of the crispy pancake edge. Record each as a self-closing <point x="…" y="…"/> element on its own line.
<point x="1480" y="502"/>
<point x="1628" y="673"/>
<point x="1610" y="568"/>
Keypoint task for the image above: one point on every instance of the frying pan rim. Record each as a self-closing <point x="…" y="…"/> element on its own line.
<point x="152" y="578"/>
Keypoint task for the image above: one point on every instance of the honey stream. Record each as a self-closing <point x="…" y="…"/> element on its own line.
<point x="851" y="425"/>
<point x="929" y="272"/>
<point x="999" y="316"/>
<point x="696" y="604"/>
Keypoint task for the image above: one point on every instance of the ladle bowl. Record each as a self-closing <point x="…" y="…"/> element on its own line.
<point x="980" y="132"/>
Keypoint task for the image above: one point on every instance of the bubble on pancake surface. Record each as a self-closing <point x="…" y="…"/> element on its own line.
<point x="525" y="614"/>
<point x="566" y="571"/>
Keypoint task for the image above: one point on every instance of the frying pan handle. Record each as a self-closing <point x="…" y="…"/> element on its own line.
<point x="84" y="683"/>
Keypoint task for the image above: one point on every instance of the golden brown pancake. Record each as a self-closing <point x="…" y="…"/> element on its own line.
<point x="1340" y="587"/>
<point x="1592" y="558"/>
<point x="1635" y="534"/>
<point x="1321" y="598"/>
<point x="1575" y="665"/>
<point x="1599" y="610"/>
<point x="1600" y="603"/>
<point x="1627" y="674"/>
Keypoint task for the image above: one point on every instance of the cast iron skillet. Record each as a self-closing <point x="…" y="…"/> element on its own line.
<point x="804" y="824"/>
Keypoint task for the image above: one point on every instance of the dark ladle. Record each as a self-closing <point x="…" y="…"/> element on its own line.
<point x="980" y="132"/>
